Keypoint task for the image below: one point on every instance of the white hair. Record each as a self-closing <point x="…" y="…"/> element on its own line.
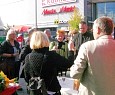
<point x="10" y="31"/>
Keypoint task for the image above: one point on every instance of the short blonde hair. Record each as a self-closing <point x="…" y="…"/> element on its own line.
<point x="39" y="40"/>
<point x="60" y="32"/>
<point x="10" y="31"/>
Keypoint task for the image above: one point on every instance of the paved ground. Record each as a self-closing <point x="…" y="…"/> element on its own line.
<point x="23" y="85"/>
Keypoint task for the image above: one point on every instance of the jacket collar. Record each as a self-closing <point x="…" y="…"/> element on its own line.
<point x="41" y="50"/>
<point x="105" y="37"/>
<point x="10" y="43"/>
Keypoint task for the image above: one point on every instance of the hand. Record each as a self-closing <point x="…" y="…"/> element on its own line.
<point x="55" y="48"/>
<point x="76" y="84"/>
<point x="71" y="46"/>
<point x="15" y="54"/>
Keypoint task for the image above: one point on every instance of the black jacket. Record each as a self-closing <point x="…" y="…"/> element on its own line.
<point x="24" y="51"/>
<point x="82" y="38"/>
<point x="49" y="72"/>
<point x="6" y="47"/>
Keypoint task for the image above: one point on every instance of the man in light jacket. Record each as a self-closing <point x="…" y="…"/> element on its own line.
<point x="94" y="67"/>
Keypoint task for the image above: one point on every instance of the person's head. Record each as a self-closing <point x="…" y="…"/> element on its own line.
<point x="11" y="34"/>
<point x="31" y="31"/>
<point x="72" y="32"/>
<point x="83" y="27"/>
<point x="47" y="32"/>
<point x="60" y="35"/>
<point x="102" y="26"/>
<point x="39" y="40"/>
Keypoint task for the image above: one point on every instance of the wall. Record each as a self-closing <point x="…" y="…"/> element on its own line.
<point x="48" y="20"/>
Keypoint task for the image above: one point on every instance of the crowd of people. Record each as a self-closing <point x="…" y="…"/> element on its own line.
<point x="88" y="55"/>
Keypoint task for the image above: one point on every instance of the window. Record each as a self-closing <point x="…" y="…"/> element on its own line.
<point x="106" y="9"/>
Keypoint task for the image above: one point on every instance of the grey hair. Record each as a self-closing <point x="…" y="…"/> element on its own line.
<point x="47" y="30"/>
<point x="105" y="24"/>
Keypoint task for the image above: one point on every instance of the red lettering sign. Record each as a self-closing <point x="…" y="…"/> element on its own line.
<point x="46" y="11"/>
<point x="62" y="10"/>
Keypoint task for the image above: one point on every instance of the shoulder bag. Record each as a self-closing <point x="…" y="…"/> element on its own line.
<point x="37" y="84"/>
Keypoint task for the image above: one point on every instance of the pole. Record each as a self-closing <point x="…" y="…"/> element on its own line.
<point x="57" y="11"/>
<point x="105" y="9"/>
<point x="35" y="13"/>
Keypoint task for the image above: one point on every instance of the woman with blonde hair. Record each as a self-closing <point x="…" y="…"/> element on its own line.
<point x="39" y="43"/>
<point x="10" y="52"/>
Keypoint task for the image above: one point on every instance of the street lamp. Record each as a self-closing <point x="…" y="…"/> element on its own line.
<point x="35" y="13"/>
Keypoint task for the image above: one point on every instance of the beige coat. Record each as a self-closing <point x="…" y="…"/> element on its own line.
<point x="95" y="67"/>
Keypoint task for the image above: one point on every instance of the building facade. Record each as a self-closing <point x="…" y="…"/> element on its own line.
<point x="56" y="13"/>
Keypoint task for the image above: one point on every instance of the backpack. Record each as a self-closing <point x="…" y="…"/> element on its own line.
<point x="37" y="84"/>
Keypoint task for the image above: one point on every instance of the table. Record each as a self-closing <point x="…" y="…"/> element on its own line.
<point x="11" y="89"/>
<point x="67" y="86"/>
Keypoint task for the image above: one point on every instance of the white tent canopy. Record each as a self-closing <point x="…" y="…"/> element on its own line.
<point x="1" y="24"/>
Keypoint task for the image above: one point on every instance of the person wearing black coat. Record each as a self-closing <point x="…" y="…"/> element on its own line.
<point x="25" y="51"/>
<point x="81" y="37"/>
<point x="10" y="50"/>
<point x="39" y="44"/>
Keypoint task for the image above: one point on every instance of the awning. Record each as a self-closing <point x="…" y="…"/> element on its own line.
<point x="21" y="28"/>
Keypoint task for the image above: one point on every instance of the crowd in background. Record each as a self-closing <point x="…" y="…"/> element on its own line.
<point x="86" y="52"/>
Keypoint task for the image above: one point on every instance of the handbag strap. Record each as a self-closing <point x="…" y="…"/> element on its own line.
<point x="44" y="58"/>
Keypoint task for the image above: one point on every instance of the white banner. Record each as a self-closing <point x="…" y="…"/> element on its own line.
<point x="46" y="3"/>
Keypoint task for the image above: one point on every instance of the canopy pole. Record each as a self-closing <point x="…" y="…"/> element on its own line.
<point x="35" y="13"/>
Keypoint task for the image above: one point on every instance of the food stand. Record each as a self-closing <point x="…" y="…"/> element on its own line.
<point x="7" y="86"/>
<point x="11" y="89"/>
